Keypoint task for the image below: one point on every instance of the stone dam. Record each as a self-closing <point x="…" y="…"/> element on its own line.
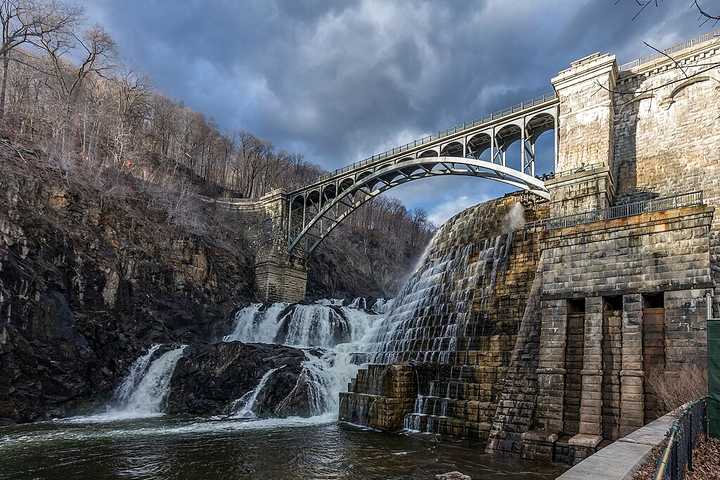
<point x="531" y="326"/>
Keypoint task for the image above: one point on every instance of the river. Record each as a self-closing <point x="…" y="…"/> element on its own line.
<point x="173" y="448"/>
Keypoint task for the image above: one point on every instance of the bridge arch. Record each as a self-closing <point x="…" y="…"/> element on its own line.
<point x="429" y="153"/>
<point x="535" y="127"/>
<point x="479" y="144"/>
<point x="319" y="220"/>
<point x="452" y="149"/>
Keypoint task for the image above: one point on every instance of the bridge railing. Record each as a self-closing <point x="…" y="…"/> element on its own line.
<point x="620" y="211"/>
<point x="668" y="51"/>
<point x="432" y="138"/>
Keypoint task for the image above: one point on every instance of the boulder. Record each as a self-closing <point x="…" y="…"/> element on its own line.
<point x="211" y="377"/>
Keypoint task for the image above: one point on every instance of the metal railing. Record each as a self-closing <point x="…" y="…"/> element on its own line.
<point x="546" y="97"/>
<point x="619" y="211"/>
<point x="683" y="436"/>
<point x="675" y="48"/>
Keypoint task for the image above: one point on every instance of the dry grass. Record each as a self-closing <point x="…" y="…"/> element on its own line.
<point x="647" y="471"/>
<point x="674" y="389"/>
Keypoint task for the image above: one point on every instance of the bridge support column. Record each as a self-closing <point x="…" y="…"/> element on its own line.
<point x="280" y="277"/>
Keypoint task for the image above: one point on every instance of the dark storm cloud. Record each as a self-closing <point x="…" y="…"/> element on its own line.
<point x="344" y="79"/>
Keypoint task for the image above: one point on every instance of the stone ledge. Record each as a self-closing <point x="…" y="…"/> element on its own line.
<point x="621" y="459"/>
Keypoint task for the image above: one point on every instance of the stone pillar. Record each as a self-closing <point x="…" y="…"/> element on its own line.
<point x="632" y="394"/>
<point x="583" y="180"/>
<point x="279" y="276"/>
<point x="586" y="441"/>
<point x="539" y="443"/>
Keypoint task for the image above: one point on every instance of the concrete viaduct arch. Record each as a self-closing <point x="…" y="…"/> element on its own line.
<point x="300" y="220"/>
<point x="478" y="150"/>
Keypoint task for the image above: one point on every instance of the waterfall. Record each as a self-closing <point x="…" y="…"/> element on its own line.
<point x="243" y="407"/>
<point x="432" y="312"/>
<point x="252" y="324"/>
<point x="142" y="392"/>
<point x="316" y="325"/>
<point x="137" y="370"/>
<point x="339" y="332"/>
<point x="381" y="306"/>
<point x="149" y="394"/>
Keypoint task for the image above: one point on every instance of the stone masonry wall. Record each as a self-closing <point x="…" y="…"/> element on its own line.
<point x="666" y="134"/>
<point x="615" y="267"/>
<point x="555" y="357"/>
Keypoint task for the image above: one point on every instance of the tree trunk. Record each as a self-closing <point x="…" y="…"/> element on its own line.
<point x="3" y="87"/>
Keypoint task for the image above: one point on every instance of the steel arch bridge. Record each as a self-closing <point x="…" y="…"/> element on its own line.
<point x="478" y="149"/>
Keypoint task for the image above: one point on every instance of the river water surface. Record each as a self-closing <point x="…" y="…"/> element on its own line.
<point x="172" y="448"/>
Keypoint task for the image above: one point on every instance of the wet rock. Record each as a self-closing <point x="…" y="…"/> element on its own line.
<point x="211" y="377"/>
<point x="452" y="476"/>
<point x="88" y="282"/>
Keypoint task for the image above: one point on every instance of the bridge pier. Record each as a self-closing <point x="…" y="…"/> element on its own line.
<point x="280" y="277"/>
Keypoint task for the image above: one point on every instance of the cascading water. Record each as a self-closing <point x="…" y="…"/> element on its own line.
<point x="432" y="321"/>
<point x="134" y="376"/>
<point x="252" y="324"/>
<point x="432" y="311"/>
<point x="243" y="407"/>
<point x="332" y="336"/>
<point x="143" y="391"/>
<point x="329" y="333"/>
<point x="152" y="389"/>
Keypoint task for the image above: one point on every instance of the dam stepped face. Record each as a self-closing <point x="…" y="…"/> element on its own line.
<point x="539" y="340"/>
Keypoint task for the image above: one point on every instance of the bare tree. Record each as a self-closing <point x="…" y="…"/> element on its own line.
<point x="96" y="50"/>
<point x="706" y="15"/>
<point x="687" y="73"/>
<point x="25" y="21"/>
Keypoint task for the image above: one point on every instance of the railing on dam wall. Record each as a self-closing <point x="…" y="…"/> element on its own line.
<point x="620" y="211"/>
<point x="677" y="457"/>
<point x="546" y="97"/>
<point x="668" y="51"/>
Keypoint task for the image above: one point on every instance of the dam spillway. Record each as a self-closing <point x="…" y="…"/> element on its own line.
<point x="493" y="341"/>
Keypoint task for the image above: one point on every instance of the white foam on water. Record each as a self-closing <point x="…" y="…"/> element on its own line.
<point x="198" y="427"/>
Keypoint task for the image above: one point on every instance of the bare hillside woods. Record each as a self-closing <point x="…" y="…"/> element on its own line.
<point x="66" y="93"/>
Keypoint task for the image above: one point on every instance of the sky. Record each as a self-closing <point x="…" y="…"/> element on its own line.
<point x="341" y="80"/>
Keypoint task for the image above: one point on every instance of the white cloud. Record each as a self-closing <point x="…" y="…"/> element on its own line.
<point x="442" y="212"/>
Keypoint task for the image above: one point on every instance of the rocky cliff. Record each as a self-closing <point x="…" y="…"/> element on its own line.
<point x="91" y="275"/>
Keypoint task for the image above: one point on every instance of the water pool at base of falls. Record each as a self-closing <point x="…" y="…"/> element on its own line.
<point x="168" y="448"/>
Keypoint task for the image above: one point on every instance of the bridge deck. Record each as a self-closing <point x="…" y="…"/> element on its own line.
<point x="502" y="116"/>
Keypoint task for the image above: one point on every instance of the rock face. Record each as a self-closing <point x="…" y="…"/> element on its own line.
<point x="210" y="377"/>
<point x="88" y="281"/>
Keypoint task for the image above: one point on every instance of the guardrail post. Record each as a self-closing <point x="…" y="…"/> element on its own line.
<point x="690" y="442"/>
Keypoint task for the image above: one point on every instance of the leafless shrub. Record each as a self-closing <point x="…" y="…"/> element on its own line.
<point x="674" y="389"/>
